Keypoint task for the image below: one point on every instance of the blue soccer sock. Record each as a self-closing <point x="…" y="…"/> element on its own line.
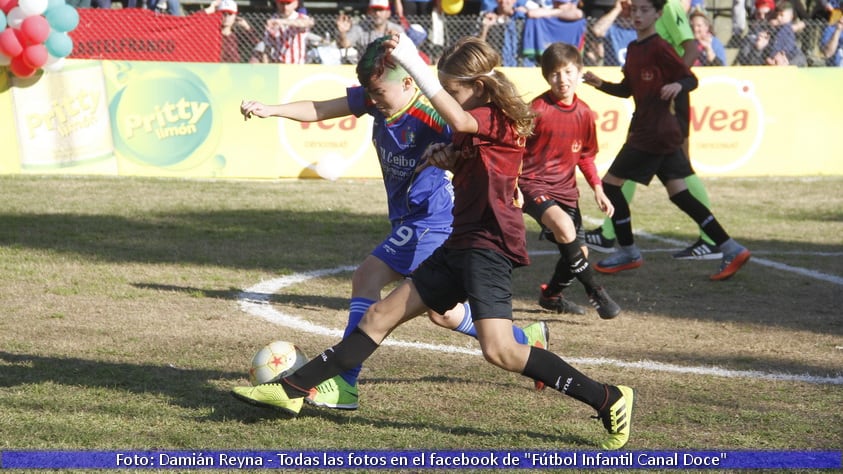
<point x="357" y="308"/>
<point x="467" y="327"/>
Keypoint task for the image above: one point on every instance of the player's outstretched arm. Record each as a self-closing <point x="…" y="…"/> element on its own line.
<point x="301" y="111"/>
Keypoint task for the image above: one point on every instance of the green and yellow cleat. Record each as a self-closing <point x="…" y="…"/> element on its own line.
<point x="269" y="395"/>
<point x="538" y="336"/>
<point x="334" y="393"/>
<point x="617" y="420"/>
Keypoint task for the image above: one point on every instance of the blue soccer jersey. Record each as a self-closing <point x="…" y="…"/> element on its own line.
<point x="399" y="141"/>
<point x="420" y="204"/>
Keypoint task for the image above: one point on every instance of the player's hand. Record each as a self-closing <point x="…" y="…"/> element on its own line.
<point x="440" y="155"/>
<point x="251" y="108"/>
<point x="603" y="201"/>
<point x="591" y="79"/>
<point x="343" y="23"/>
<point x="670" y="91"/>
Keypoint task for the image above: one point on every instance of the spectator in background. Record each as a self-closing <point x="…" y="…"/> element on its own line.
<point x="595" y="9"/>
<point x="418" y="35"/>
<point x="230" y="21"/>
<point x="614" y="31"/>
<point x="711" y="49"/>
<point x="823" y="10"/>
<point x="561" y="22"/>
<point x="499" y="28"/>
<point x="165" y="7"/>
<point x="358" y="36"/>
<point x="831" y="47"/>
<point x="285" y="38"/>
<point x="784" y="50"/>
<point x="414" y="8"/>
<point x="567" y="10"/>
<point x="753" y="51"/>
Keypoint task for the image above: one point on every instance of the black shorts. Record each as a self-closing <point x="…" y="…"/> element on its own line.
<point x="537" y="210"/>
<point x="641" y="166"/>
<point x="482" y="277"/>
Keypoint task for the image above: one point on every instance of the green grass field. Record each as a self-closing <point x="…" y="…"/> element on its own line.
<point x="124" y="323"/>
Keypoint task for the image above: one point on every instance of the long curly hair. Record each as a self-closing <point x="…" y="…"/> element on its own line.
<point x="472" y="59"/>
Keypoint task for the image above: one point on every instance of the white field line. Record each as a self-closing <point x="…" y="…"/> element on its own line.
<point x="255" y="300"/>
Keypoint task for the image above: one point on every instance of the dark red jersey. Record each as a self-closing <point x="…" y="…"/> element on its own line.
<point x="486" y="212"/>
<point x="650" y="64"/>
<point x="565" y="137"/>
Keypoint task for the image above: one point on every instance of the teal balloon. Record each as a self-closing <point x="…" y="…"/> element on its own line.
<point x="59" y="44"/>
<point x="2" y="20"/>
<point x="54" y="3"/>
<point x="62" y="18"/>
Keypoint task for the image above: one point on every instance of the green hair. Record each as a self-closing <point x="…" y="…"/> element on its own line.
<point x="375" y="63"/>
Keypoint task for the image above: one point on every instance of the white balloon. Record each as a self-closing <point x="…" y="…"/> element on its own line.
<point x="53" y="64"/>
<point x="15" y="17"/>
<point x="4" y="60"/>
<point x="33" y="7"/>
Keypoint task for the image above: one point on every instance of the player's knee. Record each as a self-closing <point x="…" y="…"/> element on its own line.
<point x="442" y="320"/>
<point x="502" y="357"/>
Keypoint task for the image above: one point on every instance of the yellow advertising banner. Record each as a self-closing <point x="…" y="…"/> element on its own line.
<point x="183" y="120"/>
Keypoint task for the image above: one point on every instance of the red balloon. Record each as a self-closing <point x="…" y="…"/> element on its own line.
<point x="7" y="5"/>
<point x="35" y="55"/>
<point x="20" y="69"/>
<point x="10" y="44"/>
<point x="35" y="29"/>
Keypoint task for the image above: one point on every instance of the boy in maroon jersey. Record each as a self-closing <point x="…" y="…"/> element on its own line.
<point x="564" y="137"/>
<point x="654" y="76"/>
<point x="490" y="124"/>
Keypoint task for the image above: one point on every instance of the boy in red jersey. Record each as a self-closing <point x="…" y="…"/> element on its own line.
<point x="654" y="76"/>
<point x="490" y="124"/>
<point x="564" y="137"/>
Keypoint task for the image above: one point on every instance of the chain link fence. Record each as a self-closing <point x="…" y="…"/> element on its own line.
<point x="457" y="26"/>
<point x="250" y="27"/>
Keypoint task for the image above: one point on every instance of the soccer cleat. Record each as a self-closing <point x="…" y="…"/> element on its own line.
<point x="334" y="393"/>
<point x="594" y="240"/>
<point x="619" y="261"/>
<point x="617" y="419"/>
<point x="538" y="336"/>
<point x="700" y="250"/>
<point x="605" y="306"/>
<point x="269" y="395"/>
<point x="732" y="263"/>
<point x="558" y="303"/>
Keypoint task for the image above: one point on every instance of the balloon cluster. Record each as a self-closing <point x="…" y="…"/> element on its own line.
<point x="34" y="34"/>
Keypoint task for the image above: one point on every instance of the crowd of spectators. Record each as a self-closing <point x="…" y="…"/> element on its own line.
<point x="764" y="32"/>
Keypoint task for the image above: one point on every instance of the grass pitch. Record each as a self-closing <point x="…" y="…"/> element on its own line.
<point x="122" y="325"/>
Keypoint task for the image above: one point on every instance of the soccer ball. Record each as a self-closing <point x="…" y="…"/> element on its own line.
<point x="274" y="361"/>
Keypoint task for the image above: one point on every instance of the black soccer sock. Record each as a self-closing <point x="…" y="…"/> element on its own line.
<point x="622" y="218"/>
<point x="702" y="215"/>
<point x="562" y="276"/>
<point x="349" y="353"/>
<point x="579" y="265"/>
<point x="554" y="372"/>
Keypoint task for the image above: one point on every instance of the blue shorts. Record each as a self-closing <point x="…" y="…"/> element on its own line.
<point x="409" y="245"/>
